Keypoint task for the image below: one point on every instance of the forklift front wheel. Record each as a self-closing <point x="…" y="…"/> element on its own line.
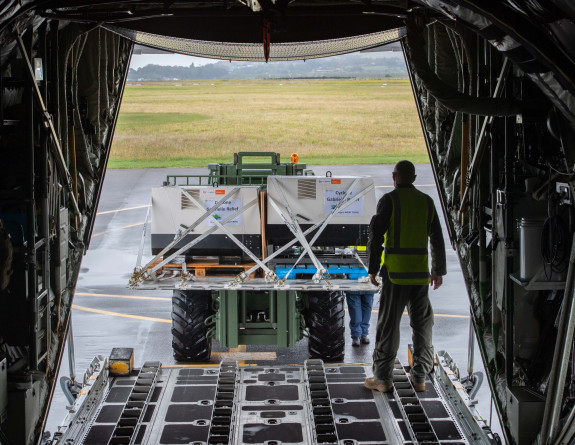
<point x="190" y="335"/>
<point x="325" y="323"/>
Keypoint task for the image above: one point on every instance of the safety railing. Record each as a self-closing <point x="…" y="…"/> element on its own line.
<point x="215" y="180"/>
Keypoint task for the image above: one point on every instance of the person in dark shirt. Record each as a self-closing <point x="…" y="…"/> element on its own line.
<point x="405" y="221"/>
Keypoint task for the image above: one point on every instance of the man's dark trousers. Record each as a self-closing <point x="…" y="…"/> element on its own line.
<point x="394" y="299"/>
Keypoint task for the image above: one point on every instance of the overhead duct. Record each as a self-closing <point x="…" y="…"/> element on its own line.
<point x="254" y="52"/>
<point x="446" y="94"/>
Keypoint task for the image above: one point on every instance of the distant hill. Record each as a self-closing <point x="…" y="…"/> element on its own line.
<point x="350" y="65"/>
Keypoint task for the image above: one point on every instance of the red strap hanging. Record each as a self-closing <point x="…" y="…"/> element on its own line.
<point x="267" y="39"/>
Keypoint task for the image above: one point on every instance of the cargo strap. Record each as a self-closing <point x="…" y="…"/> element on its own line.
<point x="320" y="230"/>
<point x="142" y="241"/>
<point x="310" y="230"/>
<point x="415" y="417"/>
<point x="269" y="273"/>
<point x="223" y="414"/>
<point x="59" y="159"/>
<point x="295" y="228"/>
<point x="322" y="272"/>
<point x="126" y="429"/>
<point x="320" y="400"/>
<point x="358" y="258"/>
<point x="139" y="271"/>
<point x="299" y="236"/>
<point x="334" y="211"/>
<point x="141" y="275"/>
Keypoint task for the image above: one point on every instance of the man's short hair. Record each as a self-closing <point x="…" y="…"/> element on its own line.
<point x="405" y="170"/>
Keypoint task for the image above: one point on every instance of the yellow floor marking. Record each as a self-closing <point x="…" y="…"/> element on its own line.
<point x="122" y="210"/>
<point x="239" y="349"/>
<point x="118" y="228"/>
<point x="435" y="315"/>
<point x="206" y="365"/>
<point x="242" y="356"/>
<point x="450" y="315"/>
<point x="117" y="314"/>
<point x="358" y="363"/>
<point x="439" y="315"/>
<point x="417" y="185"/>
<point x="238" y="353"/>
<point x="87" y="294"/>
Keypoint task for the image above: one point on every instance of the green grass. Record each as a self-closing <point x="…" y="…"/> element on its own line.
<point x="190" y="124"/>
<point x="132" y="121"/>
<point x="201" y="162"/>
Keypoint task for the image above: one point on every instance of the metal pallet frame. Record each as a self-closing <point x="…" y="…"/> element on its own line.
<point x="143" y="276"/>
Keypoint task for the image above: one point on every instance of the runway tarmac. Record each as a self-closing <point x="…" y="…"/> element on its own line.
<point x="107" y="314"/>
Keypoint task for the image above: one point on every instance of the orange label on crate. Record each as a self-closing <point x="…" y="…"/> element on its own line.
<point x="336" y="181"/>
<point x="220" y="192"/>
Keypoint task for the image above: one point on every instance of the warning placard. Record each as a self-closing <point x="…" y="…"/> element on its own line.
<point x="227" y="208"/>
<point x="334" y="196"/>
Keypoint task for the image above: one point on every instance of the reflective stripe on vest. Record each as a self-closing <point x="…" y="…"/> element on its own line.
<point x="405" y="255"/>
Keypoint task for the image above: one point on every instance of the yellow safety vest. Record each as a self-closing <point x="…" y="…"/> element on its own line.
<point x="405" y="254"/>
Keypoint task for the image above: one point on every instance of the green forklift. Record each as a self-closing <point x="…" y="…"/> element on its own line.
<point x="258" y="252"/>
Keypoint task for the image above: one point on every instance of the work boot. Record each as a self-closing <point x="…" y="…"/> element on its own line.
<point x="355" y="341"/>
<point x="418" y="387"/>
<point x="370" y="383"/>
<point x="364" y="340"/>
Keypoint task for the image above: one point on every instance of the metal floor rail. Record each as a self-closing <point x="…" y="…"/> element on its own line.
<point x="305" y="404"/>
<point x="414" y="415"/>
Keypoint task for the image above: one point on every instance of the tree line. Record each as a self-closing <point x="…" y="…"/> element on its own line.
<point x="346" y="66"/>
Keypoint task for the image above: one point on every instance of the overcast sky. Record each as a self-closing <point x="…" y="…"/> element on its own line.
<point x="139" y="61"/>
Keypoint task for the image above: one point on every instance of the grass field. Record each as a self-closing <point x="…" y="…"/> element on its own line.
<point x="189" y="124"/>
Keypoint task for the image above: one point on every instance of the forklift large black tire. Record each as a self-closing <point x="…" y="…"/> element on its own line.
<point x="325" y="322"/>
<point x="190" y="309"/>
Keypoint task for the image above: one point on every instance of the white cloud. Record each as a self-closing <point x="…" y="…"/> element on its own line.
<point x="139" y="61"/>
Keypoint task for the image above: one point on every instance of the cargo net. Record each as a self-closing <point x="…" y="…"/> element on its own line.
<point x="254" y="52"/>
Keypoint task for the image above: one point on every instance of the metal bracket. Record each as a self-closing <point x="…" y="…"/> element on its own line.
<point x="501" y="197"/>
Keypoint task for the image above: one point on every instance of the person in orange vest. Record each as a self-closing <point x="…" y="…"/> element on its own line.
<point x="405" y="221"/>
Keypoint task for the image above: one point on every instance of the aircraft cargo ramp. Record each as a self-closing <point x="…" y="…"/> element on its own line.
<point x="299" y="404"/>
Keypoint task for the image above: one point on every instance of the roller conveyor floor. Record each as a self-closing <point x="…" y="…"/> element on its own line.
<point x="299" y="404"/>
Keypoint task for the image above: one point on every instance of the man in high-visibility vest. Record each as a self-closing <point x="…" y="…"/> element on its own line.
<point x="404" y="222"/>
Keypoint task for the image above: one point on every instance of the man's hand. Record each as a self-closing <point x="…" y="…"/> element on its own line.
<point x="373" y="280"/>
<point x="435" y="281"/>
